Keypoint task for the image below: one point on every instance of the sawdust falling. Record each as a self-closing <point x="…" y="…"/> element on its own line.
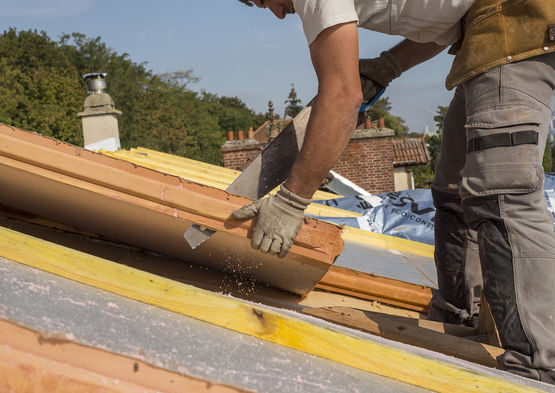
<point x="237" y="275"/>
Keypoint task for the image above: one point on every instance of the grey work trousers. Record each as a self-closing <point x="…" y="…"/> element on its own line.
<point x="491" y="212"/>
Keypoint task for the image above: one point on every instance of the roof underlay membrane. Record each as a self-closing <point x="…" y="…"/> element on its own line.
<point x="92" y="262"/>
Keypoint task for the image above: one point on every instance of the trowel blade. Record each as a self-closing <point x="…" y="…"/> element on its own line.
<point x="195" y="235"/>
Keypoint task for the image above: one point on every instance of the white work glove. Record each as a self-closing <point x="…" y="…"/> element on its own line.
<point x="377" y="73"/>
<point x="279" y="219"/>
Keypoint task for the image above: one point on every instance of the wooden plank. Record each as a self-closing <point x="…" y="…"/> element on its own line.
<point x="32" y="363"/>
<point x="349" y="233"/>
<point x="210" y="205"/>
<point x="321" y="298"/>
<point x="428" y="335"/>
<point x="149" y="209"/>
<point x="249" y="319"/>
<point x="187" y="273"/>
<point x="368" y="286"/>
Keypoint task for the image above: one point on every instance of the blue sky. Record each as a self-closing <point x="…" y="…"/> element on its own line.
<point x="234" y="49"/>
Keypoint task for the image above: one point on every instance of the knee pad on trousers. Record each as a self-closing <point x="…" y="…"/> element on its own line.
<point x="496" y="259"/>
<point x="458" y="270"/>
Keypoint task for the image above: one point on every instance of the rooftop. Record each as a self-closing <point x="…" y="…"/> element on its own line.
<point x="410" y="151"/>
<point x="98" y="267"/>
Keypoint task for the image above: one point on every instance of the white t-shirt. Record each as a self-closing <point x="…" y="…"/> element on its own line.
<point x="418" y="20"/>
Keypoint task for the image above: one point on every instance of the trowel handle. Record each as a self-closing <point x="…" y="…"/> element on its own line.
<point x="365" y="107"/>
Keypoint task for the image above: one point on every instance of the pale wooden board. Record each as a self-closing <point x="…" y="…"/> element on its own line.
<point x="101" y="319"/>
<point x="424" y="334"/>
<point x="187" y="273"/>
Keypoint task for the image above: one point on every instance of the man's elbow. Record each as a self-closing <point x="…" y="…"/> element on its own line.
<point x="351" y="99"/>
<point x="355" y="98"/>
<point x="348" y="97"/>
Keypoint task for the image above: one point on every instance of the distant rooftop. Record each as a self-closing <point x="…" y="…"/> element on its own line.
<point x="410" y="151"/>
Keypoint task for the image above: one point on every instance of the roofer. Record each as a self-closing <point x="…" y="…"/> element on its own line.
<point x="488" y="187"/>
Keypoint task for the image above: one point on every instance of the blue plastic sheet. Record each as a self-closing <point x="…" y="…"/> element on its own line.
<point x="406" y="214"/>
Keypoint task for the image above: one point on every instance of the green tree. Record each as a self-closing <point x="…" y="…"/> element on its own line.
<point x="231" y="113"/>
<point x="380" y="109"/>
<point x="424" y="174"/>
<point x="294" y="105"/>
<point x="439" y="118"/>
<point x="179" y="79"/>
<point x="41" y="90"/>
<point x="397" y="124"/>
<point x="39" y="87"/>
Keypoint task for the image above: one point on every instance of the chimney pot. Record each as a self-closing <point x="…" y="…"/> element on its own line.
<point x="96" y="82"/>
<point x="250" y="133"/>
<point x="240" y="135"/>
<point x="381" y="122"/>
<point x="230" y="135"/>
<point x="367" y="123"/>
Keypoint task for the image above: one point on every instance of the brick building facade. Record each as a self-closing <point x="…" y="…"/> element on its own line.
<point x="367" y="160"/>
<point x="373" y="160"/>
<point x="239" y="153"/>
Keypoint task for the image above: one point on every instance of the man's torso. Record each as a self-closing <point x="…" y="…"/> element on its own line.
<point x="418" y="20"/>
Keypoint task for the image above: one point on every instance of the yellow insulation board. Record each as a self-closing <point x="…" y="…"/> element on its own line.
<point x="388" y="242"/>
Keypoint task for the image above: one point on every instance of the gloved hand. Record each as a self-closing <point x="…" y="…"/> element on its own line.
<point x="280" y="218"/>
<point x="377" y="73"/>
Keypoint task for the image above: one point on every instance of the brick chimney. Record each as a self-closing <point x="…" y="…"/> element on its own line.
<point x="368" y="160"/>
<point x="239" y="153"/>
<point x="99" y="116"/>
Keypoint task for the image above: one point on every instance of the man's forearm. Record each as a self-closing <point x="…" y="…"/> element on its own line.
<point x="409" y="53"/>
<point x="334" y="54"/>
<point x="331" y="125"/>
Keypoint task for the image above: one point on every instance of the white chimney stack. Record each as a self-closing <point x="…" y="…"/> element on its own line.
<point x="99" y="116"/>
